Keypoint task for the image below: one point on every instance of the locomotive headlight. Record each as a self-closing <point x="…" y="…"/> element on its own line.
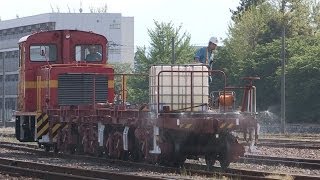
<point x="68" y="36"/>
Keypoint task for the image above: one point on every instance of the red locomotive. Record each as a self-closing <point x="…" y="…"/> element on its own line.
<point x="67" y="103"/>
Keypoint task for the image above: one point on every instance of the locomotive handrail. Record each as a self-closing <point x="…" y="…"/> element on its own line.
<point x="76" y="64"/>
<point x="248" y="88"/>
<point x="188" y="71"/>
<point x="203" y="104"/>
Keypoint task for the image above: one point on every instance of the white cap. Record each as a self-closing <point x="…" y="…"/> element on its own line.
<point x="213" y="40"/>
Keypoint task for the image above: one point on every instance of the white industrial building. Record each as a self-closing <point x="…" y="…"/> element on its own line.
<point x="119" y="31"/>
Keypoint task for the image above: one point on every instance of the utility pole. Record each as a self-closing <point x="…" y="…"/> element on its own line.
<point x="3" y="93"/>
<point x="283" y="63"/>
<point x="173" y="51"/>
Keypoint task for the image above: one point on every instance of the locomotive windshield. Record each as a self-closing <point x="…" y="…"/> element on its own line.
<point x="88" y="52"/>
<point x="43" y="52"/>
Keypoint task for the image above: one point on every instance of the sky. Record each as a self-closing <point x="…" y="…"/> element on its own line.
<point x="200" y="18"/>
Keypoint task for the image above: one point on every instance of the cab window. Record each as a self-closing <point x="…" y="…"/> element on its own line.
<point x="88" y="52"/>
<point x="43" y="52"/>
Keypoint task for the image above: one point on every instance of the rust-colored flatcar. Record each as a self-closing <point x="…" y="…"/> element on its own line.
<point x="67" y="103"/>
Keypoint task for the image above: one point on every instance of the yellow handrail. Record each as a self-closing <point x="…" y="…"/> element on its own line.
<point x="39" y="93"/>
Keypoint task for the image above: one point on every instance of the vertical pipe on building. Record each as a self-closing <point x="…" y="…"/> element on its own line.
<point x="3" y="93"/>
<point x="172" y="62"/>
<point x="173" y="52"/>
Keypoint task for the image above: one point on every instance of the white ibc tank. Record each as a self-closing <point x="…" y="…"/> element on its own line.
<point x="179" y="89"/>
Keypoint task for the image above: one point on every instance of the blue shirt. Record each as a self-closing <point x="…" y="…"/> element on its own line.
<point x="204" y="55"/>
<point x="94" y="57"/>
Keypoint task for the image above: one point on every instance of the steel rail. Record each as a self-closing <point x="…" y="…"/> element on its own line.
<point x="191" y="169"/>
<point x="287" y="161"/>
<point x="46" y="171"/>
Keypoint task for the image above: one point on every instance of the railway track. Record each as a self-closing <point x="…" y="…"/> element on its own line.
<point x="286" y="161"/>
<point x="7" y="135"/>
<point x="190" y="169"/>
<point x="147" y="167"/>
<point x="299" y="144"/>
<point x="46" y="171"/>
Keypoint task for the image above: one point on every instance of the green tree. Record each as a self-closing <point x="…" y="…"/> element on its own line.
<point x="303" y="79"/>
<point x="246" y="33"/>
<point x="298" y="17"/>
<point x="159" y="52"/>
<point x="244" y="5"/>
<point x="253" y="48"/>
<point x="315" y="17"/>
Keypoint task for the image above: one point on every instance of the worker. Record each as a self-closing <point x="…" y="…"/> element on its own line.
<point x="205" y="55"/>
<point x="93" y="55"/>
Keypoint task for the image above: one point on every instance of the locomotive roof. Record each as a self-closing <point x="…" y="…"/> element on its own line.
<point x="24" y="38"/>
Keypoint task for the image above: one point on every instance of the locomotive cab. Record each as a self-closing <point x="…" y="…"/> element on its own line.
<point x="59" y="69"/>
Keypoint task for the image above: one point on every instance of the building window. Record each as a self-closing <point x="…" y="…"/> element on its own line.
<point x="115" y="26"/>
<point x="9" y="54"/>
<point x="13" y="33"/>
<point x="11" y="77"/>
<point x="16" y="54"/>
<point x="114" y="50"/>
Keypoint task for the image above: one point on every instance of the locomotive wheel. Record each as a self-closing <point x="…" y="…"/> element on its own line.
<point x="224" y="163"/>
<point x="117" y="145"/>
<point x="136" y="154"/>
<point x="94" y="144"/>
<point x="210" y="161"/>
<point x="99" y="152"/>
<point x="172" y="160"/>
<point x="179" y="161"/>
<point x="71" y="149"/>
<point x="59" y="145"/>
<point x="224" y="156"/>
<point x="85" y="143"/>
<point x="55" y="149"/>
<point x="47" y="148"/>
